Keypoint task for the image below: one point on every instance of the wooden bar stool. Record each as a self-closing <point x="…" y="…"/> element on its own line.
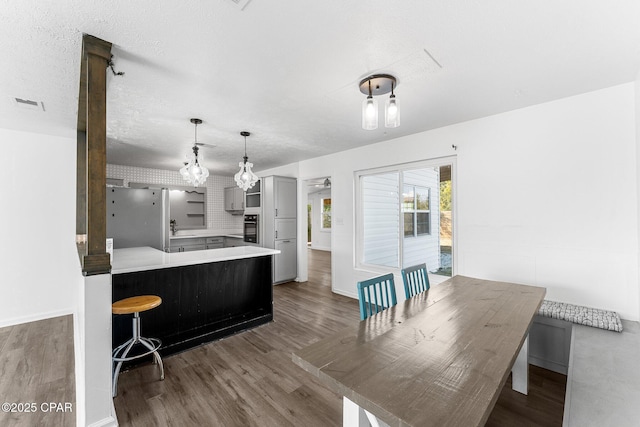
<point x="135" y="305"/>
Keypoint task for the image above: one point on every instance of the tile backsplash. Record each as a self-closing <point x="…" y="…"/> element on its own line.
<point x="217" y="217"/>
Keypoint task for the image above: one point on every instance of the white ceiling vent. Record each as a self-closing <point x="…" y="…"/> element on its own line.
<point x="27" y="104"/>
<point x="241" y="3"/>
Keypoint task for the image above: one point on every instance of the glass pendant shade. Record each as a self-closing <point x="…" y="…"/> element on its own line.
<point x="193" y="172"/>
<point x="245" y="178"/>
<point x="370" y="113"/>
<point x="392" y="113"/>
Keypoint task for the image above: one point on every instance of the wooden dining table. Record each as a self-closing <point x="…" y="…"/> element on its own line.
<point x="439" y="358"/>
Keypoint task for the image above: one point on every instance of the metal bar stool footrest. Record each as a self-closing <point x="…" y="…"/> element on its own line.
<point x="155" y="344"/>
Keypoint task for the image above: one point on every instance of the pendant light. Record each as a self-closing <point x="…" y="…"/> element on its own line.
<point x="374" y="85"/>
<point x="370" y="112"/>
<point x="245" y="178"/>
<point x="391" y="111"/>
<point x="193" y="172"/>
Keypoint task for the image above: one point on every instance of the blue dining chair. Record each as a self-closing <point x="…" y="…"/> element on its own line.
<point x="415" y="279"/>
<point x="376" y="294"/>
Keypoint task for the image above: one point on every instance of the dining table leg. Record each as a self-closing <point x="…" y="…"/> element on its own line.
<point x="352" y="414"/>
<point x="520" y="370"/>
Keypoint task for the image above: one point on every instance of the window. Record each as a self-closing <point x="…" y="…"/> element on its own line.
<point x="415" y="208"/>
<point x="326" y="213"/>
<point x="398" y="216"/>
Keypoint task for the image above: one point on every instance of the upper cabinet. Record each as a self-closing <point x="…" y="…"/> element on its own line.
<point x="279" y="199"/>
<point x="284" y="191"/>
<point x="253" y="199"/>
<point x="234" y="200"/>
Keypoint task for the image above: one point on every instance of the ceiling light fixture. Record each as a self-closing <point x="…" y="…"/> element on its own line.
<point x="245" y="178"/>
<point x="379" y="84"/>
<point x="193" y="172"/>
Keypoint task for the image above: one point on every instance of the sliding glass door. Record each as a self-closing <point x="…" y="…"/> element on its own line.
<point x="405" y="216"/>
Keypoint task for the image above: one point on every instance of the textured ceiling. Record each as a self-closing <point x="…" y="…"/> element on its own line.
<point x="288" y="71"/>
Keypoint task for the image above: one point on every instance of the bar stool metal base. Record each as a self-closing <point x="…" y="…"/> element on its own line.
<point x="120" y="353"/>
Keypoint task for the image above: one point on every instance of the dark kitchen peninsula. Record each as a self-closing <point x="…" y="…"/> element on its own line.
<point x="206" y="295"/>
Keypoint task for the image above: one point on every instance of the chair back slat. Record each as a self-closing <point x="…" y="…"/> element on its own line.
<point x="415" y="280"/>
<point x="376" y="294"/>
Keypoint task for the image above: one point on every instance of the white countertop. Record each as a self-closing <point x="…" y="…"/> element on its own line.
<point x="130" y="260"/>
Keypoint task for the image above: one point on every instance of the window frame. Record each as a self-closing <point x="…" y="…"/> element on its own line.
<point x="415" y="211"/>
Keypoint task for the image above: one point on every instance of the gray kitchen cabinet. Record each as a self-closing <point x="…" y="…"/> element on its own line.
<point x="232" y="242"/>
<point x="186" y="245"/>
<point x="234" y="200"/>
<point x="214" y="242"/>
<point x="550" y="343"/>
<point x="285" y="197"/>
<point x="285" y="265"/>
<point x="188" y="248"/>
<point x="279" y="224"/>
<point x="285" y="228"/>
<point x="253" y="199"/>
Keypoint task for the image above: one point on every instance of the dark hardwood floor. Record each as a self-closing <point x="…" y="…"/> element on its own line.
<point x="37" y="378"/>
<point x="249" y="379"/>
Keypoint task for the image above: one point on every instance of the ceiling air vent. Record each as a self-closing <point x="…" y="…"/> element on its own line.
<point x="28" y="104"/>
<point x="241" y="3"/>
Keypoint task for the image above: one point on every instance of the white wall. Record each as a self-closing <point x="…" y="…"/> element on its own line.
<point x="38" y="253"/>
<point x="41" y="271"/>
<point x="637" y="110"/>
<point x="566" y="213"/>
<point x="546" y="195"/>
<point x="94" y="404"/>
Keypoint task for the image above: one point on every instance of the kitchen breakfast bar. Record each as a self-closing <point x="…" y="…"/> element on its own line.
<point x="206" y="295"/>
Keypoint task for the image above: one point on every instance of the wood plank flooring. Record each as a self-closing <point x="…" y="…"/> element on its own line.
<point x="249" y="379"/>
<point x="37" y="367"/>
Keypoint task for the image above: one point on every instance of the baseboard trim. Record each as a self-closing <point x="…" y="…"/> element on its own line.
<point x="35" y="317"/>
<point x="345" y="294"/>
<point x="105" y="422"/>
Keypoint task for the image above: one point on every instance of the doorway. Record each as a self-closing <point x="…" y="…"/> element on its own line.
<point x="446" y="225"/>
<point x="319" y="213"/>
<point x="404" y="217"/>
<point x="318" y="225"/>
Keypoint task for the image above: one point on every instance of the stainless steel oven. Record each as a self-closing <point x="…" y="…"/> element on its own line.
<point x="251" y="225"/>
